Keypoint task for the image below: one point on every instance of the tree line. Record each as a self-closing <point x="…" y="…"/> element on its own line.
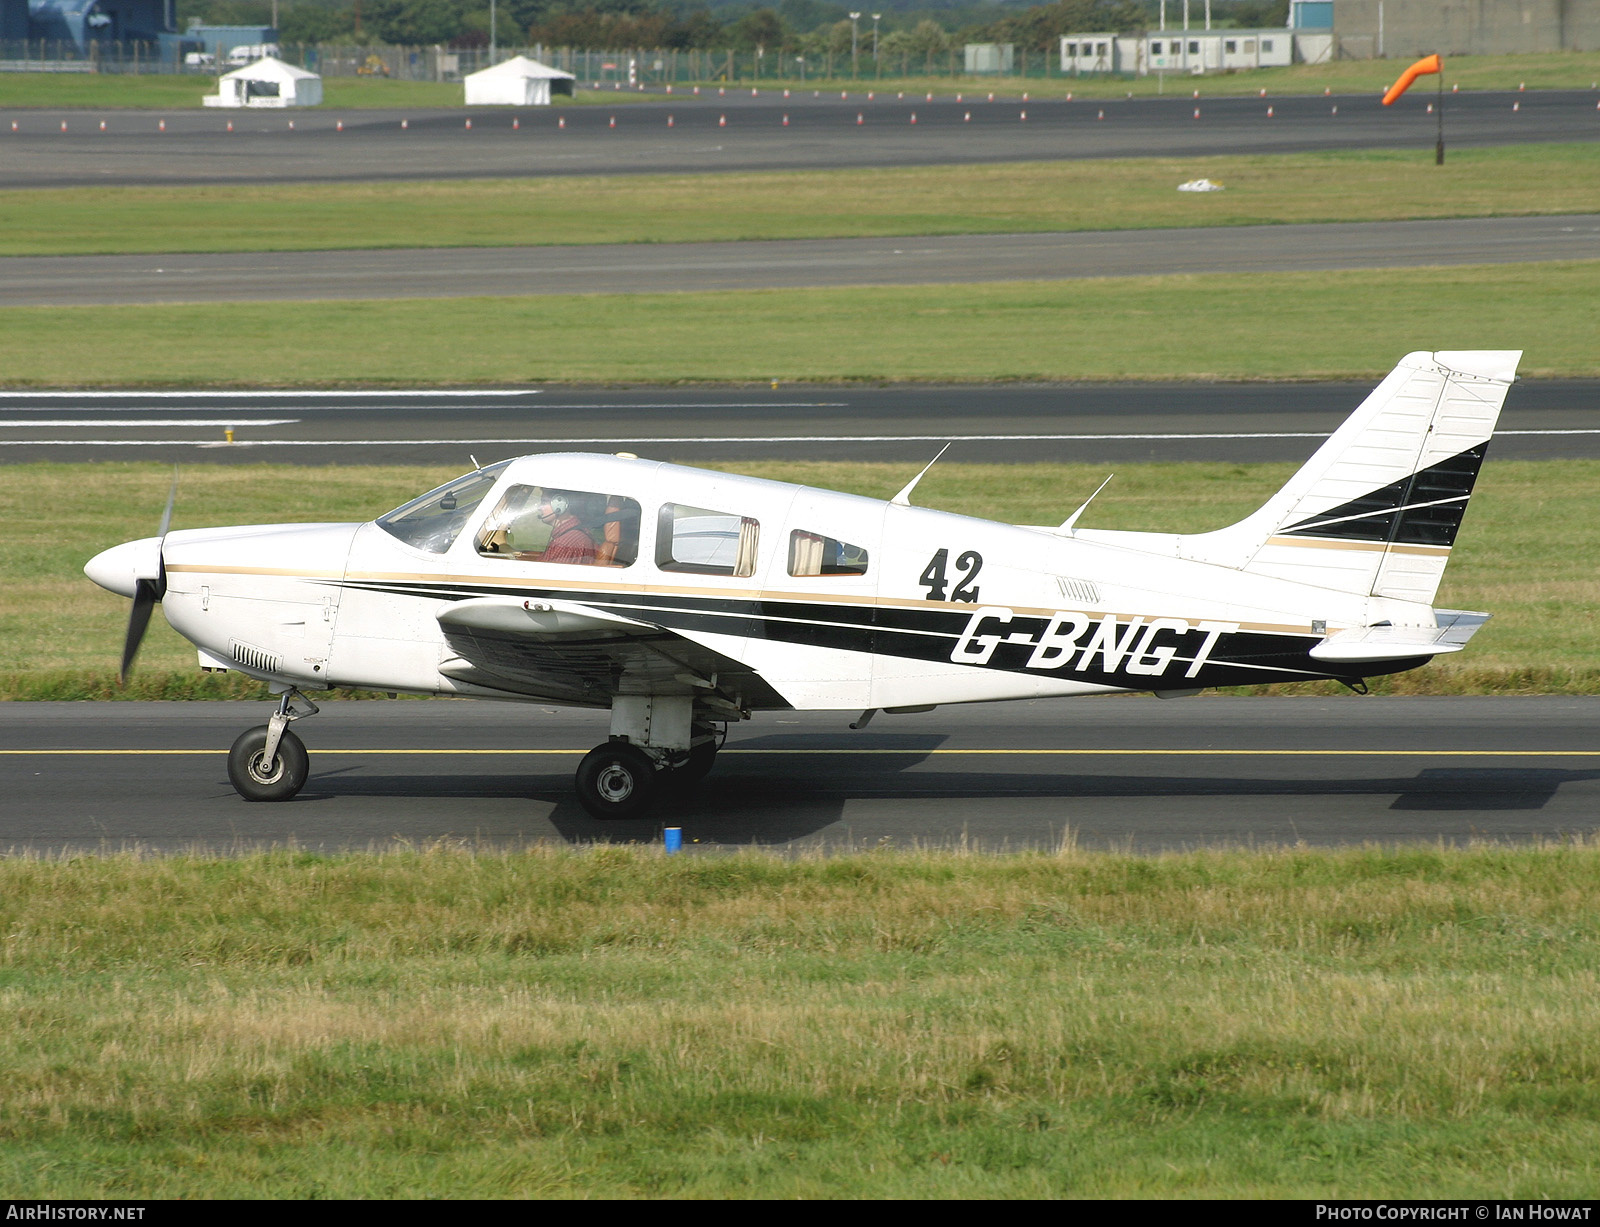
<point x="791" y="26"/>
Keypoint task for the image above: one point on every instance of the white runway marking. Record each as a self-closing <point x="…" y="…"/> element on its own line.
<point x="45" y="423"/>
<point x="543" y="406"/>
<point x="201" y="394"/>
<point x="667" y="440"/>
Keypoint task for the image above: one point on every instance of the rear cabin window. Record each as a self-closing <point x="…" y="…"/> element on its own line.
<point x="700" y="541"/>
<point x="577" y="527"/>
<point x="814" y="554"/>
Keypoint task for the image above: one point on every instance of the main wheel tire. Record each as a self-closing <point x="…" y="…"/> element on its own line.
<point x="617" y="780"/>
<point x="255" y="779"/>
<point x="696" y="766"/>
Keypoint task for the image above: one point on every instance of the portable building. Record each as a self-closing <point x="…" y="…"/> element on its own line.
<point x="519" y="82"/>
<point x="1192" y="51"/>
<point x="268" y="82"/>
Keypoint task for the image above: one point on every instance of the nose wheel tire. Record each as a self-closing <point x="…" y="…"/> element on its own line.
<point x="255" y="779"/>
<point x="617" y="780"/>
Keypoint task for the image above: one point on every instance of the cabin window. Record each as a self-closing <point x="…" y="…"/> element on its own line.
<point x="705" y="542"/>
<point x="1266" y="44"/>
<point x="577" y="527"/>
<point x="434" y="521"/>
<point x="1230" y="46"/>
<point x="1072" y="50"/>
<point x="814" y="554"/>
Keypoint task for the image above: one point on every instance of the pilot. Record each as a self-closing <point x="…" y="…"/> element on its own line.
<point x="569" y="541"/>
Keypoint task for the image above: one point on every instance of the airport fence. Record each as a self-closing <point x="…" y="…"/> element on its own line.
<point x="636" y="66"/>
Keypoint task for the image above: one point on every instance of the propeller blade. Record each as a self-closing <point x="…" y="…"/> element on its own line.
<point x="166" y="523"/>
<point x="144" y="600"/>
<point x="147" y="591"/>
<point x="172" y="497"/>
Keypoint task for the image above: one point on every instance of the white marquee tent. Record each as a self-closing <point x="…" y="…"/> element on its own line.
<point x="517" y="82"/>
<point x="268" y="82"/>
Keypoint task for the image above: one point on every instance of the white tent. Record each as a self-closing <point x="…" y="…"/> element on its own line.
<point x="519" y="82"/>
<point x="267" y="83"/>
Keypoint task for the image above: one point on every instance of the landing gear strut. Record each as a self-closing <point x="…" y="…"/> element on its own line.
<point x="656" y="744"/>
<point x="268" y="762"/>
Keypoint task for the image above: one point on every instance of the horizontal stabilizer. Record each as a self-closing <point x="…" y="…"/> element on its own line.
<point x="1363" y="644"/>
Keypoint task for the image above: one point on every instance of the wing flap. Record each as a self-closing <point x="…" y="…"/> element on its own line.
<point x="577" y="653"/>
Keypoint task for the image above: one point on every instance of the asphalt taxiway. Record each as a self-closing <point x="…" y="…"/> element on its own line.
<point x="1004" y="423"/>
<point x="640" y="268"/>
<point x="1132" y="773"/>
<point x="686" y="134"/>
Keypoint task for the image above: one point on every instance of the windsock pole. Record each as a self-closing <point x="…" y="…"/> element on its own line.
<point x="1438" y="148"/>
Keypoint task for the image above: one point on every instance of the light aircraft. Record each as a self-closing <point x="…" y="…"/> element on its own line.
<point x="683" y="599"/>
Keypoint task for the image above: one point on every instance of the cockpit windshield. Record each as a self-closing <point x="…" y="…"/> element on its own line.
<point x="434" y="521"/>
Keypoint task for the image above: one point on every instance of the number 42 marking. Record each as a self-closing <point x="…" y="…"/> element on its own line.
<point x="934" y="579"/>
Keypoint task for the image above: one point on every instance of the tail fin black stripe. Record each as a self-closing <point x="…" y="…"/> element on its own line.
<point x="1406" y="510"/>
<point x="1424" y="508"/>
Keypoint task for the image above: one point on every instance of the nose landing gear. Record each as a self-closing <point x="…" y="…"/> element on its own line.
<point x="268" y="762"/>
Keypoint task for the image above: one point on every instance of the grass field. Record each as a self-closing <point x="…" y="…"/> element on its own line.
<point x="1561" y="70"/>
<point x="1287" y="326"/>
<point x="611" y="1023"/>
<point x="60" y="636"/>
<point x="1132" y="193"/>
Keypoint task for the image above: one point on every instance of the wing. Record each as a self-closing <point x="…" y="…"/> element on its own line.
<point x="574" y="653"/>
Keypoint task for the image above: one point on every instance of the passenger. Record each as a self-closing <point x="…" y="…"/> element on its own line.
<point x="569" y="542"/>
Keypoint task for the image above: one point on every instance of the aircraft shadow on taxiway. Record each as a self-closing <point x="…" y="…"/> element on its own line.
<point x="772" y="800"/>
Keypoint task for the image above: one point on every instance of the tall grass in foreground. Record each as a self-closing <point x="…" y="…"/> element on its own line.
<point x="1413" y="1022"/>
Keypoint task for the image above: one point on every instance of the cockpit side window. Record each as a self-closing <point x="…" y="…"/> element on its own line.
<point x="814" y="554"/>
<point x="705" y="542"/>
<point x="434" y="521"/>
<point x="543" y="524"/>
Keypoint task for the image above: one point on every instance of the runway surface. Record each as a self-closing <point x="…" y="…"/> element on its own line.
<point x="1003" y="423"/>
<point x="743" y="133"/>
<point x="638" y="268"/>
<point x="1134" y="773"/>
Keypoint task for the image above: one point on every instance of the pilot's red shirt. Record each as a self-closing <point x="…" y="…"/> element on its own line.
<point x="568" y="542"/>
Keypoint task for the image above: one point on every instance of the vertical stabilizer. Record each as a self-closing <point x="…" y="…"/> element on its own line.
<point x="1376" y="509"/>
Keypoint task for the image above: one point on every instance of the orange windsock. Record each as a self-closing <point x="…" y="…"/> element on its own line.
<point x="1427" y="64"/>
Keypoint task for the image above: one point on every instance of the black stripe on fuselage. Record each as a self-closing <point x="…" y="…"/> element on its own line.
<point x="1237" y="658"/>
<point x="1422" y="509"/>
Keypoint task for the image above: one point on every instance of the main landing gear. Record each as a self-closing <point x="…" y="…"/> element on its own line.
<point x="268" y="762"/>
<point x="656" y="745"/>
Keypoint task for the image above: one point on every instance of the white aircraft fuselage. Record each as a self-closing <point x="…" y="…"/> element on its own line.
<point x="682" y="598"/>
